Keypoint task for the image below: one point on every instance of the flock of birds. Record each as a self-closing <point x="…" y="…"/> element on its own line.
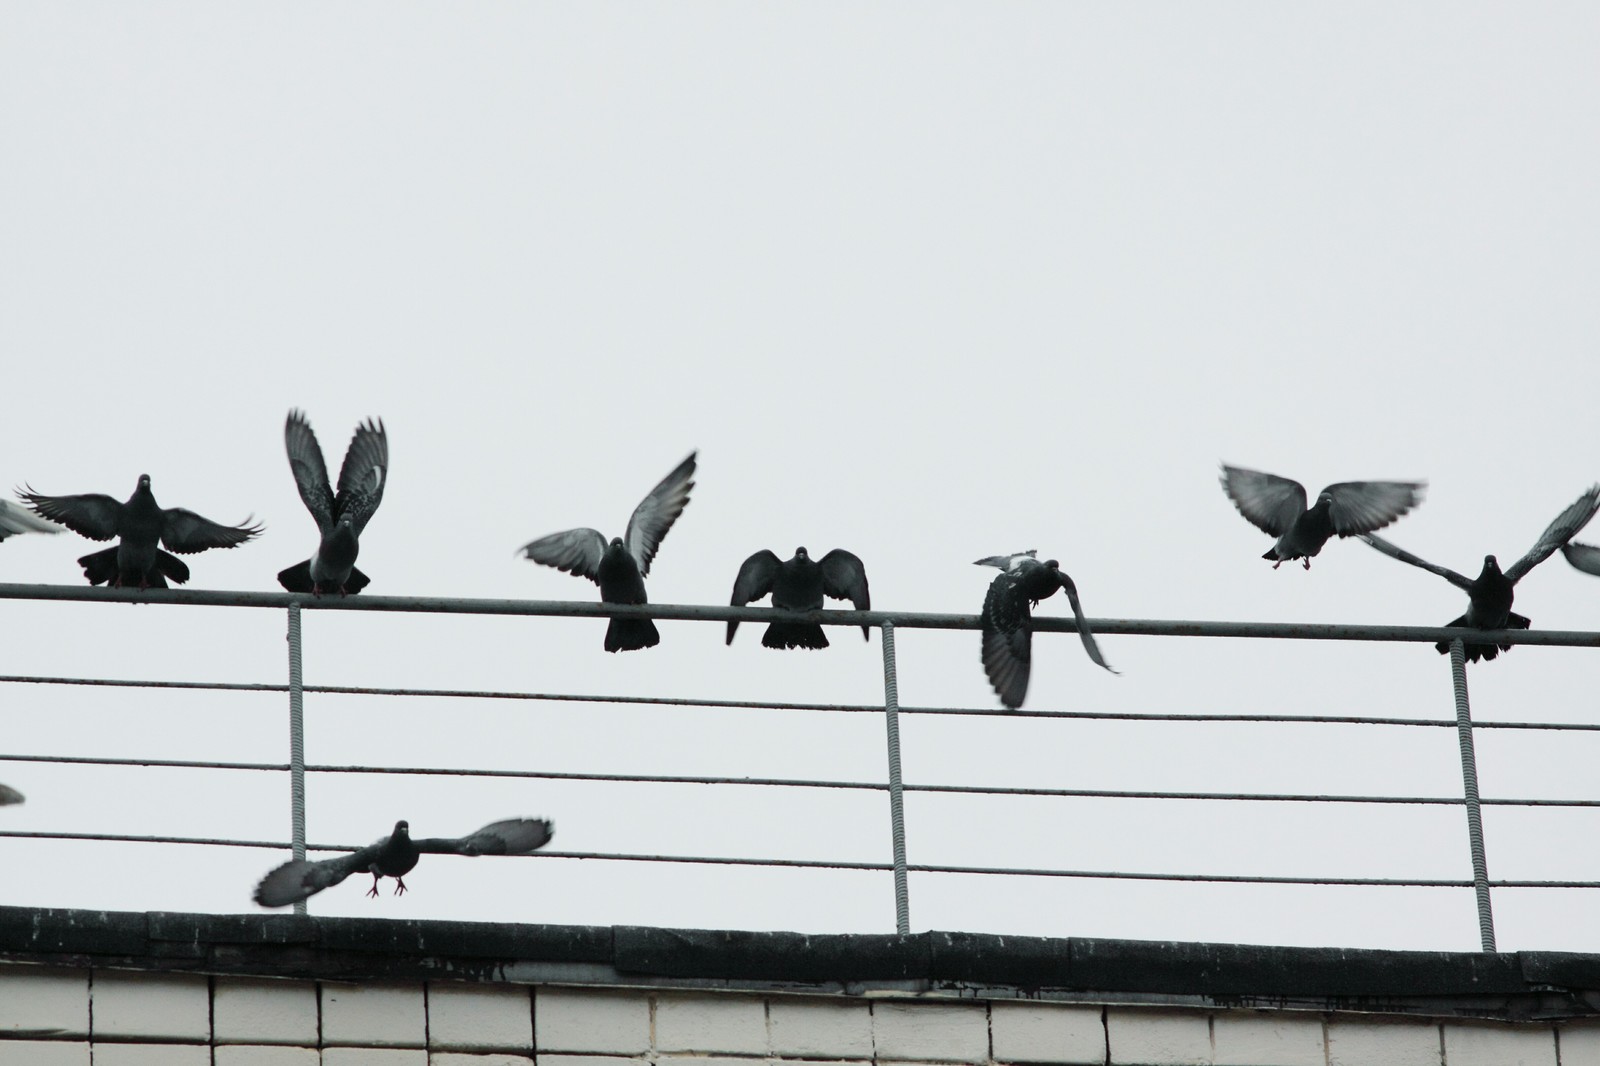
<point x="147" y="535"/>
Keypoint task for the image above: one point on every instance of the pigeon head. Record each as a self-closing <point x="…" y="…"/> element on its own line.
<point x="1053" y="564"/>
<point x="402" y="828"/>
<point x="1491" y="565"/>
<point x="616" y="543"/>
<point x="144" y="481"/>
<point x="1324" y="502"/>
<point x="800" y="553"/>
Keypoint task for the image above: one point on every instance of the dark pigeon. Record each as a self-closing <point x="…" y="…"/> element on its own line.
<point x="142" y="524"/>
<point x="14" y="520"/>
<point x="1007" y="621"/>
<point x="394" y="856"/>
<point x="1277" y="505"/>
<point x="619" y="568"/>
<point x="1491" y="593"/>
<point x="9" y="796"/>
<point x="340" y="516"/>
<point x="1585" y="557"/>
<point x="799" y="585"/>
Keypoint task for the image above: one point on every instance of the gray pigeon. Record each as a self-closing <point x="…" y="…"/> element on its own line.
<point x="9" y="796"/>
<point x="14" y="520"/>
<point x="395" y="856"/>
<point x="619" y="568"/>
<point x="142" y="524"/>
<point x="340" y="517"/>
<point x="1007" y="621"/>
<point x="1277" y="505"/>
<point x="799" y="585"/>
<point x="1491" y="593"/>
<point x="1585" y="557"/>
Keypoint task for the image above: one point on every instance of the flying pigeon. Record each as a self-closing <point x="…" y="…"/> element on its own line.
<point x="1585" y="557"/>
<point x="1007" y="621"/>
<point x="799" y="585"/>
<point x="342" y="517"/>
<point x="1490" y="595"/>
<point x="619" y="568"/>
<point x="9" y="796"/>
<point x="14" y="520"/>
<point x="394" y="856"/>
<point x="141" y="524"/>
<point x="1277" y="505"/>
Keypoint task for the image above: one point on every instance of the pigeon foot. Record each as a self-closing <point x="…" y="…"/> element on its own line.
<point x="399" y="886"/>
<point x="1307" y="562"/>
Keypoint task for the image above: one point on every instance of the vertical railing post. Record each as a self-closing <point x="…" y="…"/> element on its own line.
<point x="1469" y="781"/>
<point x="897" y="805"/>
<point x="297" y="745"/>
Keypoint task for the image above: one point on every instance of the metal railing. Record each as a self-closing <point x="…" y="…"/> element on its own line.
<point x="887" y="623"/>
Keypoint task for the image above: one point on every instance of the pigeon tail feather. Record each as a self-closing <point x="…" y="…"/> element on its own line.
<point x="794" y="635"/>
<point x="100" y="567"/>
<point x="1486" y="652"/>
<point x="296" y="578"/>
<point x="630" y="634"/>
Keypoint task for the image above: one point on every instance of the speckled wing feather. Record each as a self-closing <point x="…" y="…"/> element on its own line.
<point x="300" y="879"/>
<point x="185" y="532"/>
<point x="1460" y="581"/>
<point x="844" y="577"/>
<point x="309" y="470"/>
<point x="1084" y="633"/>
<point x="1557" y="533"/>
<point x="14" y="520"/>
<point x="1271" y="503"/>
<point x="1365" y="506"/>
<point x="754" y="581"/>
<point x="513" y="836"/>
<point x="573" y="551"/>
<point x="92" y="515"/>
<point x="656" y="513"/>
<point x="1006" y="562"/>
<point x="364" y="474"/>
<point x="1585" y="557"/>
<point x="1007" y="640"/>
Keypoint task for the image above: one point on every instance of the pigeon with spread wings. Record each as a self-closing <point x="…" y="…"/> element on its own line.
<point x="340" y="516"/>
<point x="1277" y="506"/>
<point x="1491" y="593"/>
<point x="14" y="520"/>
<point x="1007" y="621"/>
<point x="142" y="525"/>
<point x="395" y="856"/>
<point x="621" y="566"/>
<point x="799" y="585"/>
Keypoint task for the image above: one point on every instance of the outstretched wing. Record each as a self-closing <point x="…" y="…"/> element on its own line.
<point x="1585" y="557"/>
<point x="845" y="578"/>
<point x="1089" y="644"/>
<point x="14" y="519"/>
<point x="185" y="532"/>
<point x="92" y="515"/>
<point x="574" y="551"/>
<point x="1007" y="640"/>
<point x="514" y="836"/>
<point x="754" y="581"/>
<point x="310" y="472"/>
<point x="1364" y="506"/>
<point x="1394" y="552"/>
<point x="363" y="475"/>
<point x="1006" y="562"/>
<point x="300" y="879"/>
<point x="1270" y="502"/>
<point x="1566" y="525"/>
<point x="656" y="513"/>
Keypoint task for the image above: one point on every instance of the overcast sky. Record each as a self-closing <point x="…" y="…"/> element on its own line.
<point x="924" y="281"/>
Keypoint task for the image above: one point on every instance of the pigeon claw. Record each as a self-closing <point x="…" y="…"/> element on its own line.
<point x="399" y="886"/>
<point x="1307" y="562"/>
<point x="372" y="892"/>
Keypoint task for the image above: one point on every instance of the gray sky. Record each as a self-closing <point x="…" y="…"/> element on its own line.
<point x="928" y="282"/>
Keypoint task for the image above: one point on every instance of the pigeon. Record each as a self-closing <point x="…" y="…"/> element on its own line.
<point x="141" y="523"/>
<point x="799" y="585"/>
<point x="14" y="520"/>
<point x="394" y="856"/>
<point x="1007" y="621"/>
<point x="340" y="517"/>
<point x="1490" y="595"/>
<point x="619" y="568"/>
<point x="1585" y="557"/>
<point x="9" y="796"/>
<point x="1277" y="505"/>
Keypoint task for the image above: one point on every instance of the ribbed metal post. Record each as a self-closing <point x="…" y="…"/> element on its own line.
<point x="897" y="804"/>
<point x="1469" y="781"/>
<point x="297" y="745"/>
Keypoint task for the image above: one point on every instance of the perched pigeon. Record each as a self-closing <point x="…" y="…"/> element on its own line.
<point x="9" y="796"/>
<point x="1490" y="595"/>
<point x="1585" y="557"/>
<point x="1277" y="506"/>
<point x="141" y="524"/>
<point x="621" y="567"/>
<point x="342" y="517"/>
<point x="799" y="585"/>
<point x="394" y="856"/>
<point x="1008" y="622"/>
<point x="14" y="520"/>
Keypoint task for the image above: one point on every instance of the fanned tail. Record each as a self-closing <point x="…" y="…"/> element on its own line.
<point x="794" y="635"/>
<point x="100" y="567"/>
<point x="296" y="578"/>
<point x="1486" y="652"/>
<point x="626" y="634"/>
<point x="355" y="582"/>
<point x="170" y="565"/>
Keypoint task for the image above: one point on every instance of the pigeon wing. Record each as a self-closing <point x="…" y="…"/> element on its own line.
<point x="1089" y="644"/>
<point x="1585" y="557"/>
<point x="9" y="796"/>
<point x="1365" y="506"/>
<point x="92" y="515"/>
<point x="845" y="578"/>
<point x="363" y="475"/>
<point x="1566" y="525"/>
<point x="754" y="581"/>
<point x="14" y="519"/>
<point x="309" y="470"/>
<point x="573" y="551"/>
<point x="1005" y="562"/>
<point x="1007" y="640"/>
<point x="656" y="513"/>
<point x="300" y="879"/>
<point x="185" y="532"/>
<point x="1270" y="502"/>
<point x="514" y="836"/>
<point x="1394" y="552"/>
